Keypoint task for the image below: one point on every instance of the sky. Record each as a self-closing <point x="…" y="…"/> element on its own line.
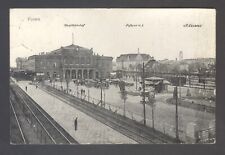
<point x="160" y="32"/>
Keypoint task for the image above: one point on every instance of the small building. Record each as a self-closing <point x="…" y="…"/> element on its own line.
<point x="132" y="62"/>
<point x="159" y="84"/>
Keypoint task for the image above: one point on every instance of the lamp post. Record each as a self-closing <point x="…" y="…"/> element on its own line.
<point x="101" y="92"/>
<point x="53" y="82"/>
<point x="143" y="93"/>
<point x="136" y="78"/>
<point x="77" y="90"/>
<point x="104" y="97"/>
<point x="88" y="95"/>
<point x="175" y="95"/>
<point x="179" y="85"/>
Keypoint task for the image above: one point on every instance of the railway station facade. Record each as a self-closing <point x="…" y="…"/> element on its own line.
<point x="70" y="62"/>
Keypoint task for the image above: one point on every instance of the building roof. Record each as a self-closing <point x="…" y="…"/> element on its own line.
<point x="133" y="57"/>
<point x="154" y="78"/>
<point x="71" y="48"/>
<point x="166" y="61"/>
<point x="21" y="59"/>
<point x="68" y="50"/>
<point x="76" y="47"/>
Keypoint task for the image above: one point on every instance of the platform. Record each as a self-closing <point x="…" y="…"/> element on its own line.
<point x="90" y="131"/>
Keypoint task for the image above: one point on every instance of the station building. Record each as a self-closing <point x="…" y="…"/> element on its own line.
<point x="70" y="62"/>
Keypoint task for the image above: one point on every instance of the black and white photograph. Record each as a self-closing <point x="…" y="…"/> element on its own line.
<point x="112" y="76"/>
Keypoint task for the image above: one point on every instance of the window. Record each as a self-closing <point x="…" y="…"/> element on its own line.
<point x="76" y="60"/>
<point x="54" y="65"/>
<point x="82" y="60"/>
<point x="88" y="60"/>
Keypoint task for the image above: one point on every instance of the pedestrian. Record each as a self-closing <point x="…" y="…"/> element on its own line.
<point x="26" y="88"/>
<point x="36" y="86"/>
<point x="75" y="123"/>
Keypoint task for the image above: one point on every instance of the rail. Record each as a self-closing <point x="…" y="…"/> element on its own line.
<point x="53" y="132"/>
<point x="126" y="126"/>
<point x="18" y="124"/>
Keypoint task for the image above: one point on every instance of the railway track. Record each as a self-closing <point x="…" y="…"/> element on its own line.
<point x="52" y="129"/>
<point x="16" y="132"/>
<point x="126" y="126"/>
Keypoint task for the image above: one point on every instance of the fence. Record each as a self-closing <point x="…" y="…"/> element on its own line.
<point x="163" y="127"/>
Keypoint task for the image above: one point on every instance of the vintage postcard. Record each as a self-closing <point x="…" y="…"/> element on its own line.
<point x="112" y="76"/>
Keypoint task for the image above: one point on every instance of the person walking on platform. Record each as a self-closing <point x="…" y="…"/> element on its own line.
<point x="75" y="123"/>
<point x="26" y="88"/>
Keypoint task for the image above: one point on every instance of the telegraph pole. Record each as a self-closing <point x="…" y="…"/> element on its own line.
<point x="101" y="91"/>
<point x="88" y="95"/>
<point x="136" y="78"/>
<point x="104" y="97"/>
<point x="153" y="126"/>
<point x="176" y="117"/>
<point x="153" y="117"/>
<point x="143" y="87"/>
<point x="179" y="85"/>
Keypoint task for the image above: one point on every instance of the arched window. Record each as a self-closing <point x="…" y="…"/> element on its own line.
<point x="88" y="60"/>
<point x="76" y="59"/>
<point x="82" y="60"/>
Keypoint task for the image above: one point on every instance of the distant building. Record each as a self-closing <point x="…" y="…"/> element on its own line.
<point x="205" y="61"/>
<point x="114" y="67"/>
<point x="185" y="65"/>
<point x="20" y="63"/>
<point x="130" y="62"/>
<point x="180" y="56"/>
<point x="74" y="62"/>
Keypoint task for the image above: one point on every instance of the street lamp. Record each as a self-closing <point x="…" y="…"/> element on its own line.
<point x="77" y="90"/>
<point x="136" y="77"/>
<point x="143" y="92"/>
<point x="88" y="95"/>
<point x="101" y="91"/>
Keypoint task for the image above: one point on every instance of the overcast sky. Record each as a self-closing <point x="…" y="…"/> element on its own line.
<point x="162" y="34"/>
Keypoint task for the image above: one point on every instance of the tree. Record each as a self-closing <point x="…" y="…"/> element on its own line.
<point x="151" y="99"/>
<point x="139" y="67"/>
<point x="194" y="67"/>
<point x="67" y="77"/>
<point x="159" y="67"/>
<point x="123" y="95"/>
<point x="175" y="69"/>
<point x="131" y="67"/>
<point x="61" y="71"/>
<point x="151" y="65"/>
<point x="124" y="98"/>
